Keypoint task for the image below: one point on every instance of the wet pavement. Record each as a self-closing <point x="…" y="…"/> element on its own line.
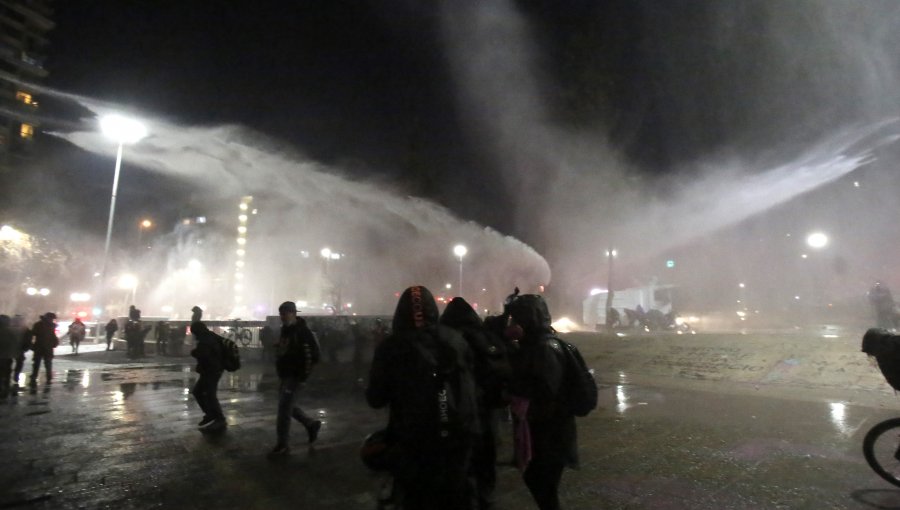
<point x="114" y="433"/>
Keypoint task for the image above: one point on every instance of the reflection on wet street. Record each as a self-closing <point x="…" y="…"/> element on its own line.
<point x="124" y="436"/>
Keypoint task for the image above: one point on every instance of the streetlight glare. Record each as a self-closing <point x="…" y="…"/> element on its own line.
<point x="127" y="281"/>
<point x="817" y="240"/>
<point x="460" y="250"/>
<point x="122" y="129"/>
<point x="146" y="223"/>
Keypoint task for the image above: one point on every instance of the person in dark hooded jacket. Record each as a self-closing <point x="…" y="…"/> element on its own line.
<point x="45" y="340"/>
<point x="208" y="351"/>
<point x="410" y="371"/>
<point x="538" y="370"/>
<point x="492" y="373"/>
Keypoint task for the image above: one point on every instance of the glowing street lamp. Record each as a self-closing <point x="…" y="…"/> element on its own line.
<point x="143" y="225"/>
<point x="129" y="282"/>
<point x="817" y="240"/>
<point x="122" y="130"/>
<point x="460" y="251"/>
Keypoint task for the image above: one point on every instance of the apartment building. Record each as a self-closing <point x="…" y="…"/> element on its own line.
<point x="23" y="43"/>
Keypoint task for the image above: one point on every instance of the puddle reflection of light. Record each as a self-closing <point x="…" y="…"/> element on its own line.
<point x="621" y="399"/>
<point x="838" y="416"/>
<point x="86" y="379"/>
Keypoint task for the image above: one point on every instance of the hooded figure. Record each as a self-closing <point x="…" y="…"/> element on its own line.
<point x="492" y="374"/>
<point x="45" y="340"/>
<point x="431" y="438"/>
<point x="538" y="371"/>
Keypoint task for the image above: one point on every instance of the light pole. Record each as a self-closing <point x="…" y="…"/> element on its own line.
<point x="610" y="255"/>
<point x="123" y="131"/>
<point x="460" y="251"/>
<point x="817" y="241"/>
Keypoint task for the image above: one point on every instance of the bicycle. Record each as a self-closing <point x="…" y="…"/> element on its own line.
<point x="881" y="445"/>
<point x="239" y="334"/>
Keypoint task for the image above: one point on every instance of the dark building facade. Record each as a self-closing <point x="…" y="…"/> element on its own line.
<point x="23" y="42"/>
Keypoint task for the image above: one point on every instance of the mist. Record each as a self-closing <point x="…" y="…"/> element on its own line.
<point x="381" y="240"/>
<point x="758" y="109"/>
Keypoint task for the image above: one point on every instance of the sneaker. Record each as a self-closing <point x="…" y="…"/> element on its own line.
<point x="313" y="431"/>
<point x="206" y="421"/>
<point x="280" y="450"/>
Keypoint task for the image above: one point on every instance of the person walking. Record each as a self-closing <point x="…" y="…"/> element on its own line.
<point x="162" y="338"/>
<point x="76" y="334"/>
<point x="296" y="354"/>
<point x="111" y="327"/>
<point x="208" y="352"/>
<point x="23" y="336"/>
<point x="538" y="370"/>
<point x="45" y="340"/>
<point x="9" y="346"/>
<point x="423" y="373"/>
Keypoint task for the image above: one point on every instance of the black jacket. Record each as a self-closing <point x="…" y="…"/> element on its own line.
<point x="296" y="351"/>
<point x="491" y="365"/>
<point x="398" y="378"/>
<point x="538" y="370"/>
<point x="208" y="350"/>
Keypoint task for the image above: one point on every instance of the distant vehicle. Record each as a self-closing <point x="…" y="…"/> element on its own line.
<point x="648" y="308"/>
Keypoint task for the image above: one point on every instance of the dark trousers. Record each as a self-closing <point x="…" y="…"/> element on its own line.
<point x="20" y="365"/>
<point x="542" y="477"/>
<point x="483" y="469"/>
<point x="109" y="337"/>
<point x="435" y="481"/>
<point x="36" y="366"/>
<point x="161" y="346"/>
<point x="287" y="393"/>
<point x="5" y="373"/>
<point x="205" y="393"/>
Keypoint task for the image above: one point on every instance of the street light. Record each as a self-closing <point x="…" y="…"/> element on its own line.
<point x="460" y="251"/>
<point x="817" y="240"/>
<point x="143" y="225"/>
<point x="123" y="131"/>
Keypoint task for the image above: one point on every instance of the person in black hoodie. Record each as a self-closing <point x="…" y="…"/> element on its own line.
<point x="296" y="353"/>
<point x="45" y="340"/>
<point x="208" y="351"/>
<point x="409" y="370"/>
<point x="492" y="373"/>
<point x="538" y="370"/>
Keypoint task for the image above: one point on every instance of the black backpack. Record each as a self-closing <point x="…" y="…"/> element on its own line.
<point x="231" y="355"/>
<point x="450" y="413"/>
<point x="579" y="389"/>
<point x="492" y="368"/>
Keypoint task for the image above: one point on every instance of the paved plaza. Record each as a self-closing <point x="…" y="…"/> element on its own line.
<point x="120" y="434"/>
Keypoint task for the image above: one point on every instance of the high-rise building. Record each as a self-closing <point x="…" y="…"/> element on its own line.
<point x="23" y="41"/>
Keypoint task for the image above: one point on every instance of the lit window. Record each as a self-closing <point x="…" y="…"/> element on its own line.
<point x="27" y="131"/>
<point x="25" y="97"/>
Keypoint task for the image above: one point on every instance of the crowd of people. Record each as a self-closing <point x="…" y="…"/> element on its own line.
<point x="447" y="380"/>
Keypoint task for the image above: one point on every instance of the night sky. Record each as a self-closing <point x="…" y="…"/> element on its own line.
<point x="659" y="91"/>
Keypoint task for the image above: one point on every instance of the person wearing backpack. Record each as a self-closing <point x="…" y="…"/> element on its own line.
<point x="296" y="353"/>
<point x="423" y="373"/>
<point x="539" y="366"/>
<point x="208" y="351"/>
<point x="492" y="373"/>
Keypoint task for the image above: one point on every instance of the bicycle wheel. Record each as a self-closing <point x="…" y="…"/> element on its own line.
<point x="881" y="447"/>
<point x="245" y="337"/>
